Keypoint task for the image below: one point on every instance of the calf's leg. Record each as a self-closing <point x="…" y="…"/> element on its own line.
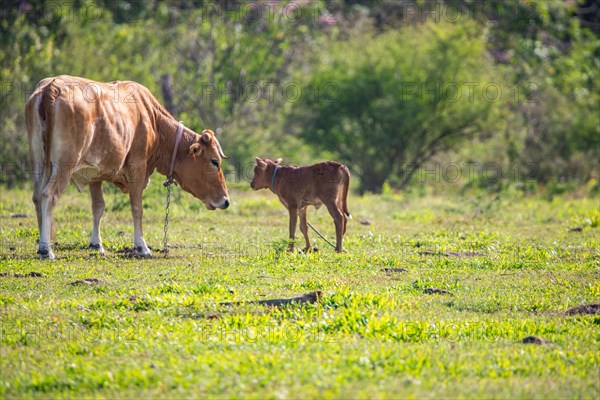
<point x="340" y="206"/>
<point x="338" y="218"/>
<point x="293" y="219"/>
<point x="304" y="229"/>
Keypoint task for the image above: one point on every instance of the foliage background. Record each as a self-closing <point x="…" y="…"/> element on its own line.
<point x="308" y="80"/>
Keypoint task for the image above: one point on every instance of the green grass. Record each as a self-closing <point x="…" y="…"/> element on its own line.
<point x="152" y="328"/>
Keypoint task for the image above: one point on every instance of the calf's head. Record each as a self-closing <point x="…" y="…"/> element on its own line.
<point x="263" y="173"/>
<point x="199" y="171"/>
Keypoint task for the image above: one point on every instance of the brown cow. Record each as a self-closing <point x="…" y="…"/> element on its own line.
<point x="89" y="132"/>
<point x="299" y="187"/>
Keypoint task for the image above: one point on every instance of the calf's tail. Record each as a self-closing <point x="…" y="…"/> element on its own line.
<point x="346" y="183"/>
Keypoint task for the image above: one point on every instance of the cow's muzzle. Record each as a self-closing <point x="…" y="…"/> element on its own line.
<point x="222" y="204"/>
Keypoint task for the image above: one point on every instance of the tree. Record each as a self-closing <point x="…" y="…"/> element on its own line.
<point x="230" y="66"/>
<point x="215" y="64"/>
<point x="563" y="141"/>
<point x="385" y="104"/>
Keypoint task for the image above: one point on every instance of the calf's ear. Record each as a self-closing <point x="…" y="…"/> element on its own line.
<point x="260" y="162"/>
<point x="195" y="150"/>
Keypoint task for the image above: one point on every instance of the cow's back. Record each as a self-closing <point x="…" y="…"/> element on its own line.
<point x="89" y="126"/>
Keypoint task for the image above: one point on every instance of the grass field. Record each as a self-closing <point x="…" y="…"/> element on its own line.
<point x="510" y="266"/>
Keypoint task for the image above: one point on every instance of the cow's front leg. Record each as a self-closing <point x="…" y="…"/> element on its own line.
<point x="135" y="197"/>
<point x="97" y="212"/>
<point x="293" y="219"/>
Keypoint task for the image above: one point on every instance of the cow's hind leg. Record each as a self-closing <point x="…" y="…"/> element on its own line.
<point x="97" y="212"/>
<point x="338" y="220"/>
<point x="57" y="182"/>
<point x="135" y="197"/>
<point x="37" y="201"/>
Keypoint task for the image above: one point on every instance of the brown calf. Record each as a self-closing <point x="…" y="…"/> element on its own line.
<point x="299" y="187"/>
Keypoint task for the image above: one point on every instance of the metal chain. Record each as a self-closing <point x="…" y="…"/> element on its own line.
<point x="167" y="184"/>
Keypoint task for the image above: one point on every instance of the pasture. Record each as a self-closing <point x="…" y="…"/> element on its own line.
<point x="506" y="267"/>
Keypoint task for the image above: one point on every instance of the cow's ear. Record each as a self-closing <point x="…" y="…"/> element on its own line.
<point x="278" y="161"/>
<point x="195" y="150"/>
<point x="260" y="162"/>
<point x="206" y="138"/>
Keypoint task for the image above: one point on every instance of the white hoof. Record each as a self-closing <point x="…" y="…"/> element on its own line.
<point x="142" y="252"/>
<point x="97" y="247"/>
<point x="46" y="254"/>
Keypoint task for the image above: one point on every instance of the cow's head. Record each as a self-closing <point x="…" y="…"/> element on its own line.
<point x="199" y="171"/>
<point x="263" y="173"/>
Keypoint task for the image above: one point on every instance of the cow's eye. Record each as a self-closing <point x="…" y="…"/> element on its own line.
<point x="215" y="162"/>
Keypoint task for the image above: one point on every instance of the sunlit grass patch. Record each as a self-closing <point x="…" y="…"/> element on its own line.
<point x="431" y="290"/>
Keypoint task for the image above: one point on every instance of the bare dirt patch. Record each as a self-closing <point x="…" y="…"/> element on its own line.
<point x="430" y="252"/>
<point x="393" y="270"/>
<point x="585" y="309"/>
<point x="19" y="215"/>
<point x="87" y="281"/>
<point x="31" y="274"/>
<point x="535" y="340"/>
<point x="436" y="291"/>
<point x="312" y="297"/>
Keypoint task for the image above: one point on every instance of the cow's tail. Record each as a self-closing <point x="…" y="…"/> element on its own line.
<point x="346" y="183"/>
<point x="39" y="118"/>
<point x="46" y="113"/>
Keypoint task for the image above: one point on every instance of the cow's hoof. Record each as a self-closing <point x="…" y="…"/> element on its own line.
<point x="140" y="252"/>
<point x="97" y="247"/>
<point x="46" y="254"/>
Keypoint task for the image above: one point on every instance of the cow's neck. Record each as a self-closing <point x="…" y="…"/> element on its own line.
<point x="166" y="131"/>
